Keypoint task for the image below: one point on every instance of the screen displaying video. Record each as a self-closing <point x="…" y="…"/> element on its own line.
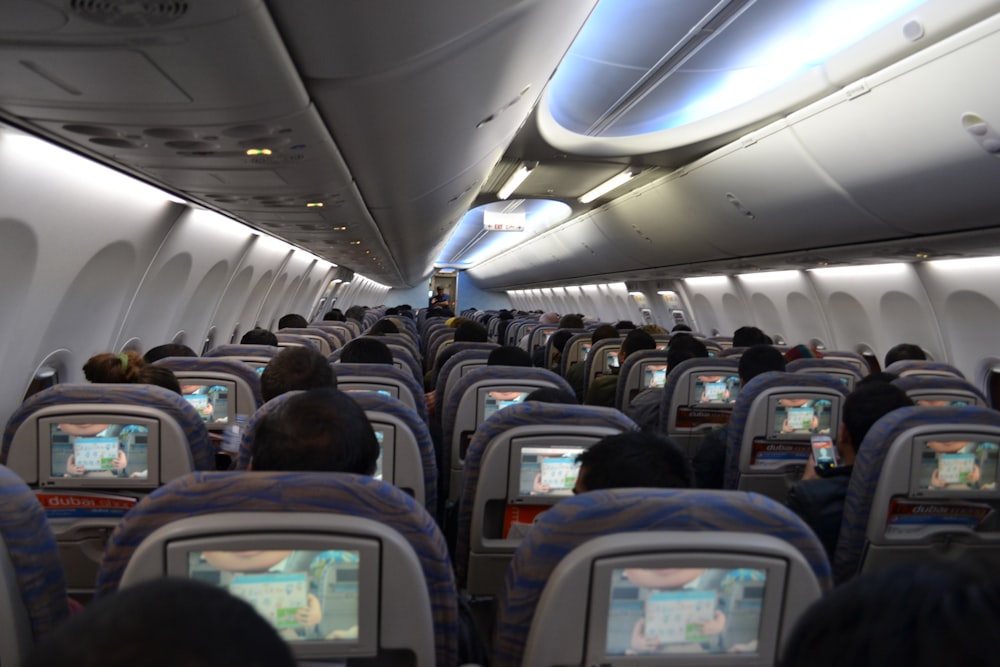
<point x="99" y="450"/>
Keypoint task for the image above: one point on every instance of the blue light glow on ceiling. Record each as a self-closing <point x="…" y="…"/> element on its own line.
<point x="642" y="66"/>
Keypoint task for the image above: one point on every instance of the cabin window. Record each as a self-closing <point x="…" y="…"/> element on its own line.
<point x="778" y="339"/>
<point x="133" y="345"/>
<point x="179" y="337"/>
<point x="817" y="344"/>
<point x="209" y="341"/>
<point x="236" y="334"/>
<point x="45" y="377"/>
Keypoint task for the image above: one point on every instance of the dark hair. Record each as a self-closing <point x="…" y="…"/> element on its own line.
<point x="318" y="430"/>
<point x="637" y="340"/>
<point x="162" y="623"/>
<point x="625" y="324"/>
<point x="682" y="348"/>
<point x="944" y="612"/>
<point x="366" y="350"/>
<point x="509" y="355"/>
<point x="634" y="459"/>
<point x="560" y="338"/>
<point x="603" y="332"/>
<point x="382" y="327"/>
<point x="471" y="331"/>
<point x="296" y="368"/>
<point x="881" y="376"/>
<point x="570" y="321"/>
<point x="355" y="313"/>
<point x="161" y="376"/>
<point x="760" y="359"/>
<point x="680" y="327"/>
<point x="109" y="367"/>
<point x="292" y="321"/>
<point x="748" y="337"/>
<point x="168" y="350"/>
<point x="867" y="404"/>
<point x="259" y="336"/>
<point x="905" y="351"/>
<point x="334" y="315"/>
<point x="552" y="395"/>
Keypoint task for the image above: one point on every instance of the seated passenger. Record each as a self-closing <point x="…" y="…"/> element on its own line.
<point x="111" y="368"/>
<point x="292" y="321"/>
<point x="334" y="315"/>
<point x="558" y="340"/>
<point x="680" y="328"/>
<point x="258" y="336"/>
<point x="633" y="459"/>
<point x="296" y="368"/>
<point x="508" y="355"/>
<point x="366" y="350"/>
<point x="382" y="327"/>
<point x="576" y="374"/>
<point x="551" y="395"/>
<point x="749" y="336"/>
<point x="644" y="409"/>
<point x="819" y="497"/>
<point x="167" y="350"/>
<point x="161" y="377"/>
<point x="944" y="612"/>
<point x="317" y="430"/>
<point x="162" y="623"/>
<point x="604" y="390"/>
<point x="709" y="461"/>
<point x="904" y="351"/>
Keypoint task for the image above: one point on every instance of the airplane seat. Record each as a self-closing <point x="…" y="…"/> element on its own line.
<point x="850" y="357"/>
<point x="940" y="390"/>
<point x="645" y="369"/>
<point x="576" y="521"/>
<point x="437" y="341"/>
<point x="602" y="359"/>
<point x="163" y="438"/>
<point x="773" y="420"/>
<point x="575" y="351"/>
<point x="912" y="490"/>
<point x="243" y="395"/>
<point x="457" y="348"/>
<point x="499" y="499"/>
<point x="292" y="340"/>
<point x="725" y="342"/>
<point x="32" y="585"/>
<point x="413" y="609"/>
<point x="539" y="335"/>
<point x="698" y="395"/>
<point x="847" y="371"/>
<point x="339" y="331"/>
<point x="401" y="340"/>
<point x="326" y="341"/>
<point x="478" y="394"/>
<point x="354" y="326"/>
<point x="255" y="355"/>
<point x="401" y="359"/>
<point x="407" y="450"/>
<point x="714" y="349"/>
<point x="460" y="363"/>
<point x="735" y="352"/>
<point x="399" y="382"/>
<point x="920" y="367"/>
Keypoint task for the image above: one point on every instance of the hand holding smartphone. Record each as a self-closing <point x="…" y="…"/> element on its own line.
<point x="824" y="452"/>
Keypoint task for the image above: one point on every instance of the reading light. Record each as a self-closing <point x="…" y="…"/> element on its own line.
<point x="515" y="180"/>
<point x="314" y="204"/>
<point x="607" y="186"/>
<point x="258" y="151"/>
<point x="342" y="228"/>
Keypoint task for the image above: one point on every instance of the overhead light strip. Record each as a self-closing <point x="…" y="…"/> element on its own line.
<point x="607" y="186"/>
<point x="515" y="180"/>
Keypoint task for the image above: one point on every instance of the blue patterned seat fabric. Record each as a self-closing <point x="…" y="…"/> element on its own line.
<point x="336" y="493"/>
<point x="217" y="365"/>
<point x="374" y="402"/>
<point x="818" y="366"/>
<point x="917" y="383"/>
<point x="868" y="468"/>
<point x="919" y="367"/>
<point x="345" y="371"/>
<point x="580" y="518"/>
<point x="173" y="404"/>
<point x="525" y="414"/>
<point x="741" y="410"/>
<point x="34" y="555"/>
<point x="243" y="351"/>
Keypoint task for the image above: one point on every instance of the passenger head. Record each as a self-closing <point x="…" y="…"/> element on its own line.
<point x="905" y="351"/>
<point x="161" y="376"/>
<point x="470" y="331"/>
<point x="549" y="318"/>
<point x="366" y="350"/>
<point x="682" y="348"/>
<point x="163" y="623"/>
<point x="653" y="329"/>
<point x="168" y="350"/>
<point x="318" y="430"/>
<point x="625" y="325"/>
<point x="334" y="315"/>
<point x="356" y="313"/>
<point x="603" y="332"/>
<point x="296" y="368"/>
<point x="633" y="459"/>
<point x="944" y="612"/>
<point x="509" y="355"/>
<point x="680" y="327"/>
<point x="552" y="395"/>
<point x="382" y="327"/>
<point x="760" y="359"/>
<point x="259" y="336"/>
<point x="292" y="321"/>
<point x="881" y="376"/>
<point x="110" y="367"/>
<point x="866" y="405"/>
<point x="560" y="338"/>
<point x="748" y="337"/>
<point x="571" y="321"/>
<point x="635" y="341"/>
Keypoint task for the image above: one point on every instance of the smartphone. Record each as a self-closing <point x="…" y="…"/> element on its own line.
<point x="824" y="453"/>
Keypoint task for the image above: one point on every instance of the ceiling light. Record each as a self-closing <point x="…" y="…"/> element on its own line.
<point x="342" y="228"/>
<point x="314" y="204"/>
<point x="515" y="180"/>
<point x="258" y="151"/>
<point x="607" y="186"/>
<point x="355" y="242"/>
